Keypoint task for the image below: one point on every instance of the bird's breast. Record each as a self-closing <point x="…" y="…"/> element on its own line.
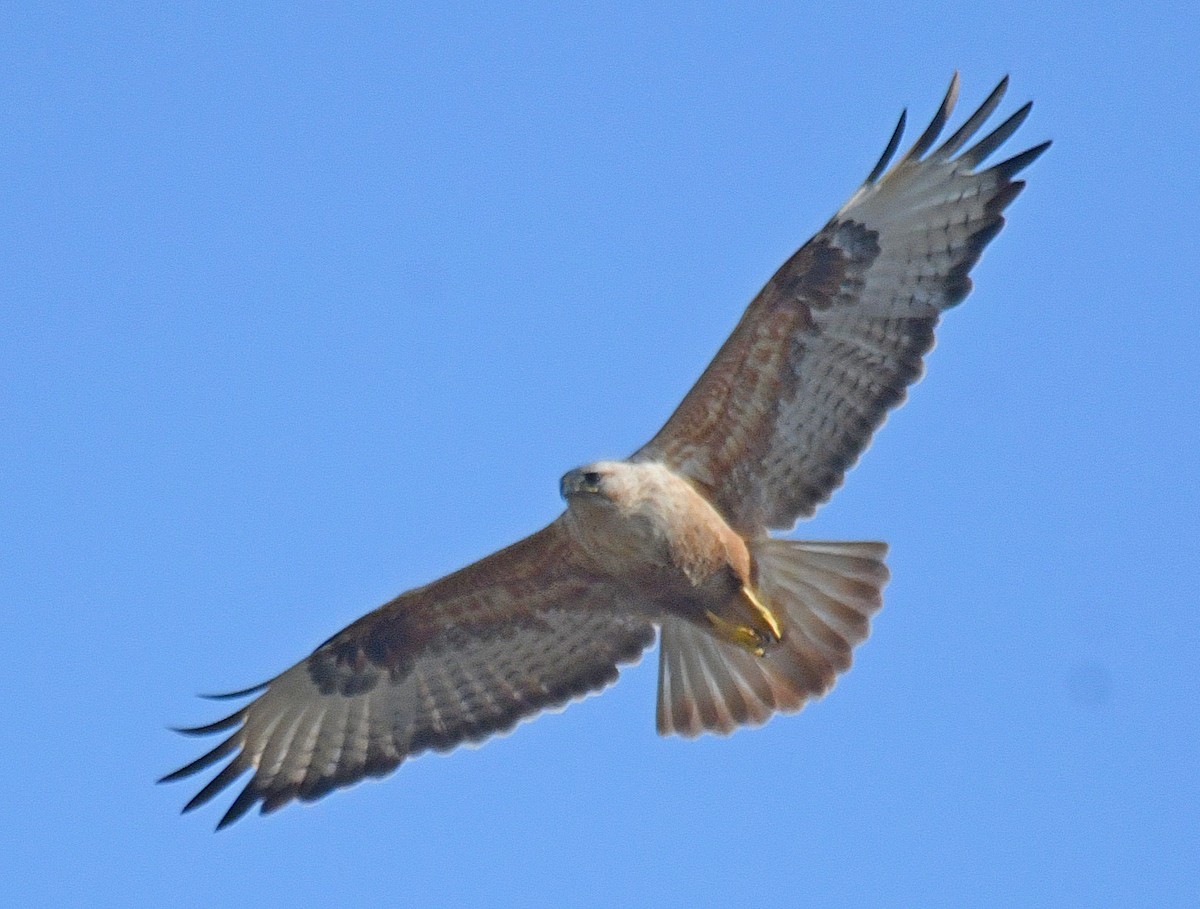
<point x="657" y="530"/>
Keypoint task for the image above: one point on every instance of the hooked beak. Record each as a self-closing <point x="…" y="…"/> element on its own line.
<point x="578" y="482"/>
<point x="566" y="486"/>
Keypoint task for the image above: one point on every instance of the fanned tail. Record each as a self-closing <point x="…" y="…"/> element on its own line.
<point x="823" y="594"/>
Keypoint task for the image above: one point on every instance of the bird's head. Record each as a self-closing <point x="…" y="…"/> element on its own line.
<point x="592" y="482"/>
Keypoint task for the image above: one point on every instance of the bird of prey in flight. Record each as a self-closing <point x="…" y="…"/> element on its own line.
<point x="677" y="536"/>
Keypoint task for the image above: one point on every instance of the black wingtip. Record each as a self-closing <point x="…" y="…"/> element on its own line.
<point x="937" y="124"/>
<point x="234" y="695"/>
<point x="964" y="133"/>
<point x="893" y="144"/>
<point x="228" y="774"/>
<point x="220" y="725"/>
<point x="246" y="800"/>
<point x="223" y="750"/>
<point x="1017" y="163"/>
<point x="997" y="137"/>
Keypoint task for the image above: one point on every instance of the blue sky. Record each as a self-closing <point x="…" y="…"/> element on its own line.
<point x="304" y="307"/>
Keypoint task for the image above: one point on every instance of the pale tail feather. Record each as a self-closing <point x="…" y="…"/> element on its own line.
<point x="824" y="594"/>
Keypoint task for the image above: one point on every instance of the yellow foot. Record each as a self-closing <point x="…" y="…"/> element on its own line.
<point x="744" y="637"/>
<point x="764" y="613"/>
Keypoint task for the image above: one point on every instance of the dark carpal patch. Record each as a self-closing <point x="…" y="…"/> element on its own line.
<point x="827" y="271"/>
<point x="345" y="670"/>
<point x="357" y="659"/>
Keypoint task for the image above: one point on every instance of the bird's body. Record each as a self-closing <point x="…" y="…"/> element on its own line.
<point x="676" y="538"/>
<point x="646" y="525"/>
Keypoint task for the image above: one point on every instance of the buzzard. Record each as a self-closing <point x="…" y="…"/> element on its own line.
<point x="676" y="537"/>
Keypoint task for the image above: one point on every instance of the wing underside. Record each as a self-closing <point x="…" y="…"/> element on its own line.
<point x="468" y="657"/>
<point x="837" y="335"/>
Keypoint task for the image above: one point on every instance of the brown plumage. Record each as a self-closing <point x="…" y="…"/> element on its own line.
<point x="676" y="537"/>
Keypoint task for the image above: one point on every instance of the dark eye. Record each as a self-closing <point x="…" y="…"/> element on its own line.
<point x="591" y="479"/>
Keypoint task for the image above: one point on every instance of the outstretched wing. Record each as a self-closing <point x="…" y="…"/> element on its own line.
<point x="521" y="631"/>
<point x="837" y="335"/>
